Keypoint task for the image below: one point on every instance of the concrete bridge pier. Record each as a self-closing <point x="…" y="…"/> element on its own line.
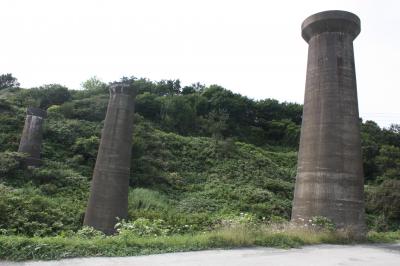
<point x="31" y="139"/>
<point x="109" y="189"/>
<point x="330" y="179"/>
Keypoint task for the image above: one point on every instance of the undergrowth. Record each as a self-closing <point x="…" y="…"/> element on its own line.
<point x="199" y="159"/>
<point x="19" y="248"/>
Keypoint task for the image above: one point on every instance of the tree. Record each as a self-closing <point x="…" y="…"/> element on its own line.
<point x="8" y="81"/>
<point x="52" y="94"/>
<point x="384" y="199"/>
<point x="195" y="87"/>
<point x="388" y="161"/>
<point x="144" y="85"/>
<point x="392" y="135"/>
<point x="43" y="96"/>
<point x="395" y="128"/>
<point x="149" y="106"/>
<point x="371" y="140"/>
<point x="94" y="84"/>
<point x="188" y="90"/>
<point x="284" y="132"/>
<point x="240" y="109"/>
<point x="168" y="87"/>
<point x="216" y="124"/>
<point x="178" y="114"/>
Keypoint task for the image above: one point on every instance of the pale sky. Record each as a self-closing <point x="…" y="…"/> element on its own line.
<point x="250" y="47"/>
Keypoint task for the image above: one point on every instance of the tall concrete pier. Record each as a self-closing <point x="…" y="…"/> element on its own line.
<point x="31" y="139"/>
<point x="330" y="179"/>
<point x="109" y="189"/>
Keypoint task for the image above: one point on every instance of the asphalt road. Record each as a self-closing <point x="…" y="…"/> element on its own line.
<point x="385" y="255"/>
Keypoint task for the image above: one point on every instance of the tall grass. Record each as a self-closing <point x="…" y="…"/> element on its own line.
<point x="146" y="199"/>
<point x="24" y="248"/>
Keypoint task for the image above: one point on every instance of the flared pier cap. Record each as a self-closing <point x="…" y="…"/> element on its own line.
<point x="330" y="21"/>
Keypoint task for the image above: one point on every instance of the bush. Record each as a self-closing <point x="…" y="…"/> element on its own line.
<point x="8" y="81"/>
<point x="322" y="223"/>
<point x="146" y="199"/>
<point x="189" y="182"/>
<point x="59" y="174"/>
<point x="10" y="163"/>
<point x="88" y="232"/>
<point x="44" y="96"/>
<point x="142" y="227"/>
<point x="383" y="205"/>
<point x="26" y="212"/>
<point x="89" y="109"/>
<point x="50" y="248"/>
<point x="243" y="220"/>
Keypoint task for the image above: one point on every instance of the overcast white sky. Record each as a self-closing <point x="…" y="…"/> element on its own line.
<point x="250" y="47"/>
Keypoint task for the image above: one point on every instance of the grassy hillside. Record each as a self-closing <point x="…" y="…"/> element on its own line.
<point x="182" y="180"/>
<point x="203" y="159"/>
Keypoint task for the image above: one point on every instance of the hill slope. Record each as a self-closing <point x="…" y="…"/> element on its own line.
<point x="201" y="157"/>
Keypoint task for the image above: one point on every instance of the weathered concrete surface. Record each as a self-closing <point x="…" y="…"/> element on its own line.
<point x="109" y="189"/>
<point x="322" y="255"/>
<point x="31" y="139"/>
<point x="330" y="176"/>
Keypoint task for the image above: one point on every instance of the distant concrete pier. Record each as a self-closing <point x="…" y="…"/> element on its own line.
<point x="330" y="179"/>
<point x="31" y="139"/>
<point x="109" y="189"/>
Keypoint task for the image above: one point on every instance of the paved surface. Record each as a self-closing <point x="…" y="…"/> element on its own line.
<point x="386" y="255"/>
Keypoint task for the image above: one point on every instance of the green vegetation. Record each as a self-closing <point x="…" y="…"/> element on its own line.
<point x="205" y="162"/>
<point x="46" y="248"/>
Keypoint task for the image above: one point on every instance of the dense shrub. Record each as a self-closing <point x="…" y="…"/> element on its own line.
<point x="194" y="162"/>
<point x="142" y="227"/>
<point x="43" y="97"/>
<point x="87" y="232"/>
<point x="27" y="212"/>
<point x="11" y="163"/>
<point x="383" y="205"/>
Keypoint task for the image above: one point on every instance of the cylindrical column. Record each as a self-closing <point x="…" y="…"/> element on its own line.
<point x="109" y="189"/>
<point x="31" y="139"/>
<point x="330" y="179"/>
